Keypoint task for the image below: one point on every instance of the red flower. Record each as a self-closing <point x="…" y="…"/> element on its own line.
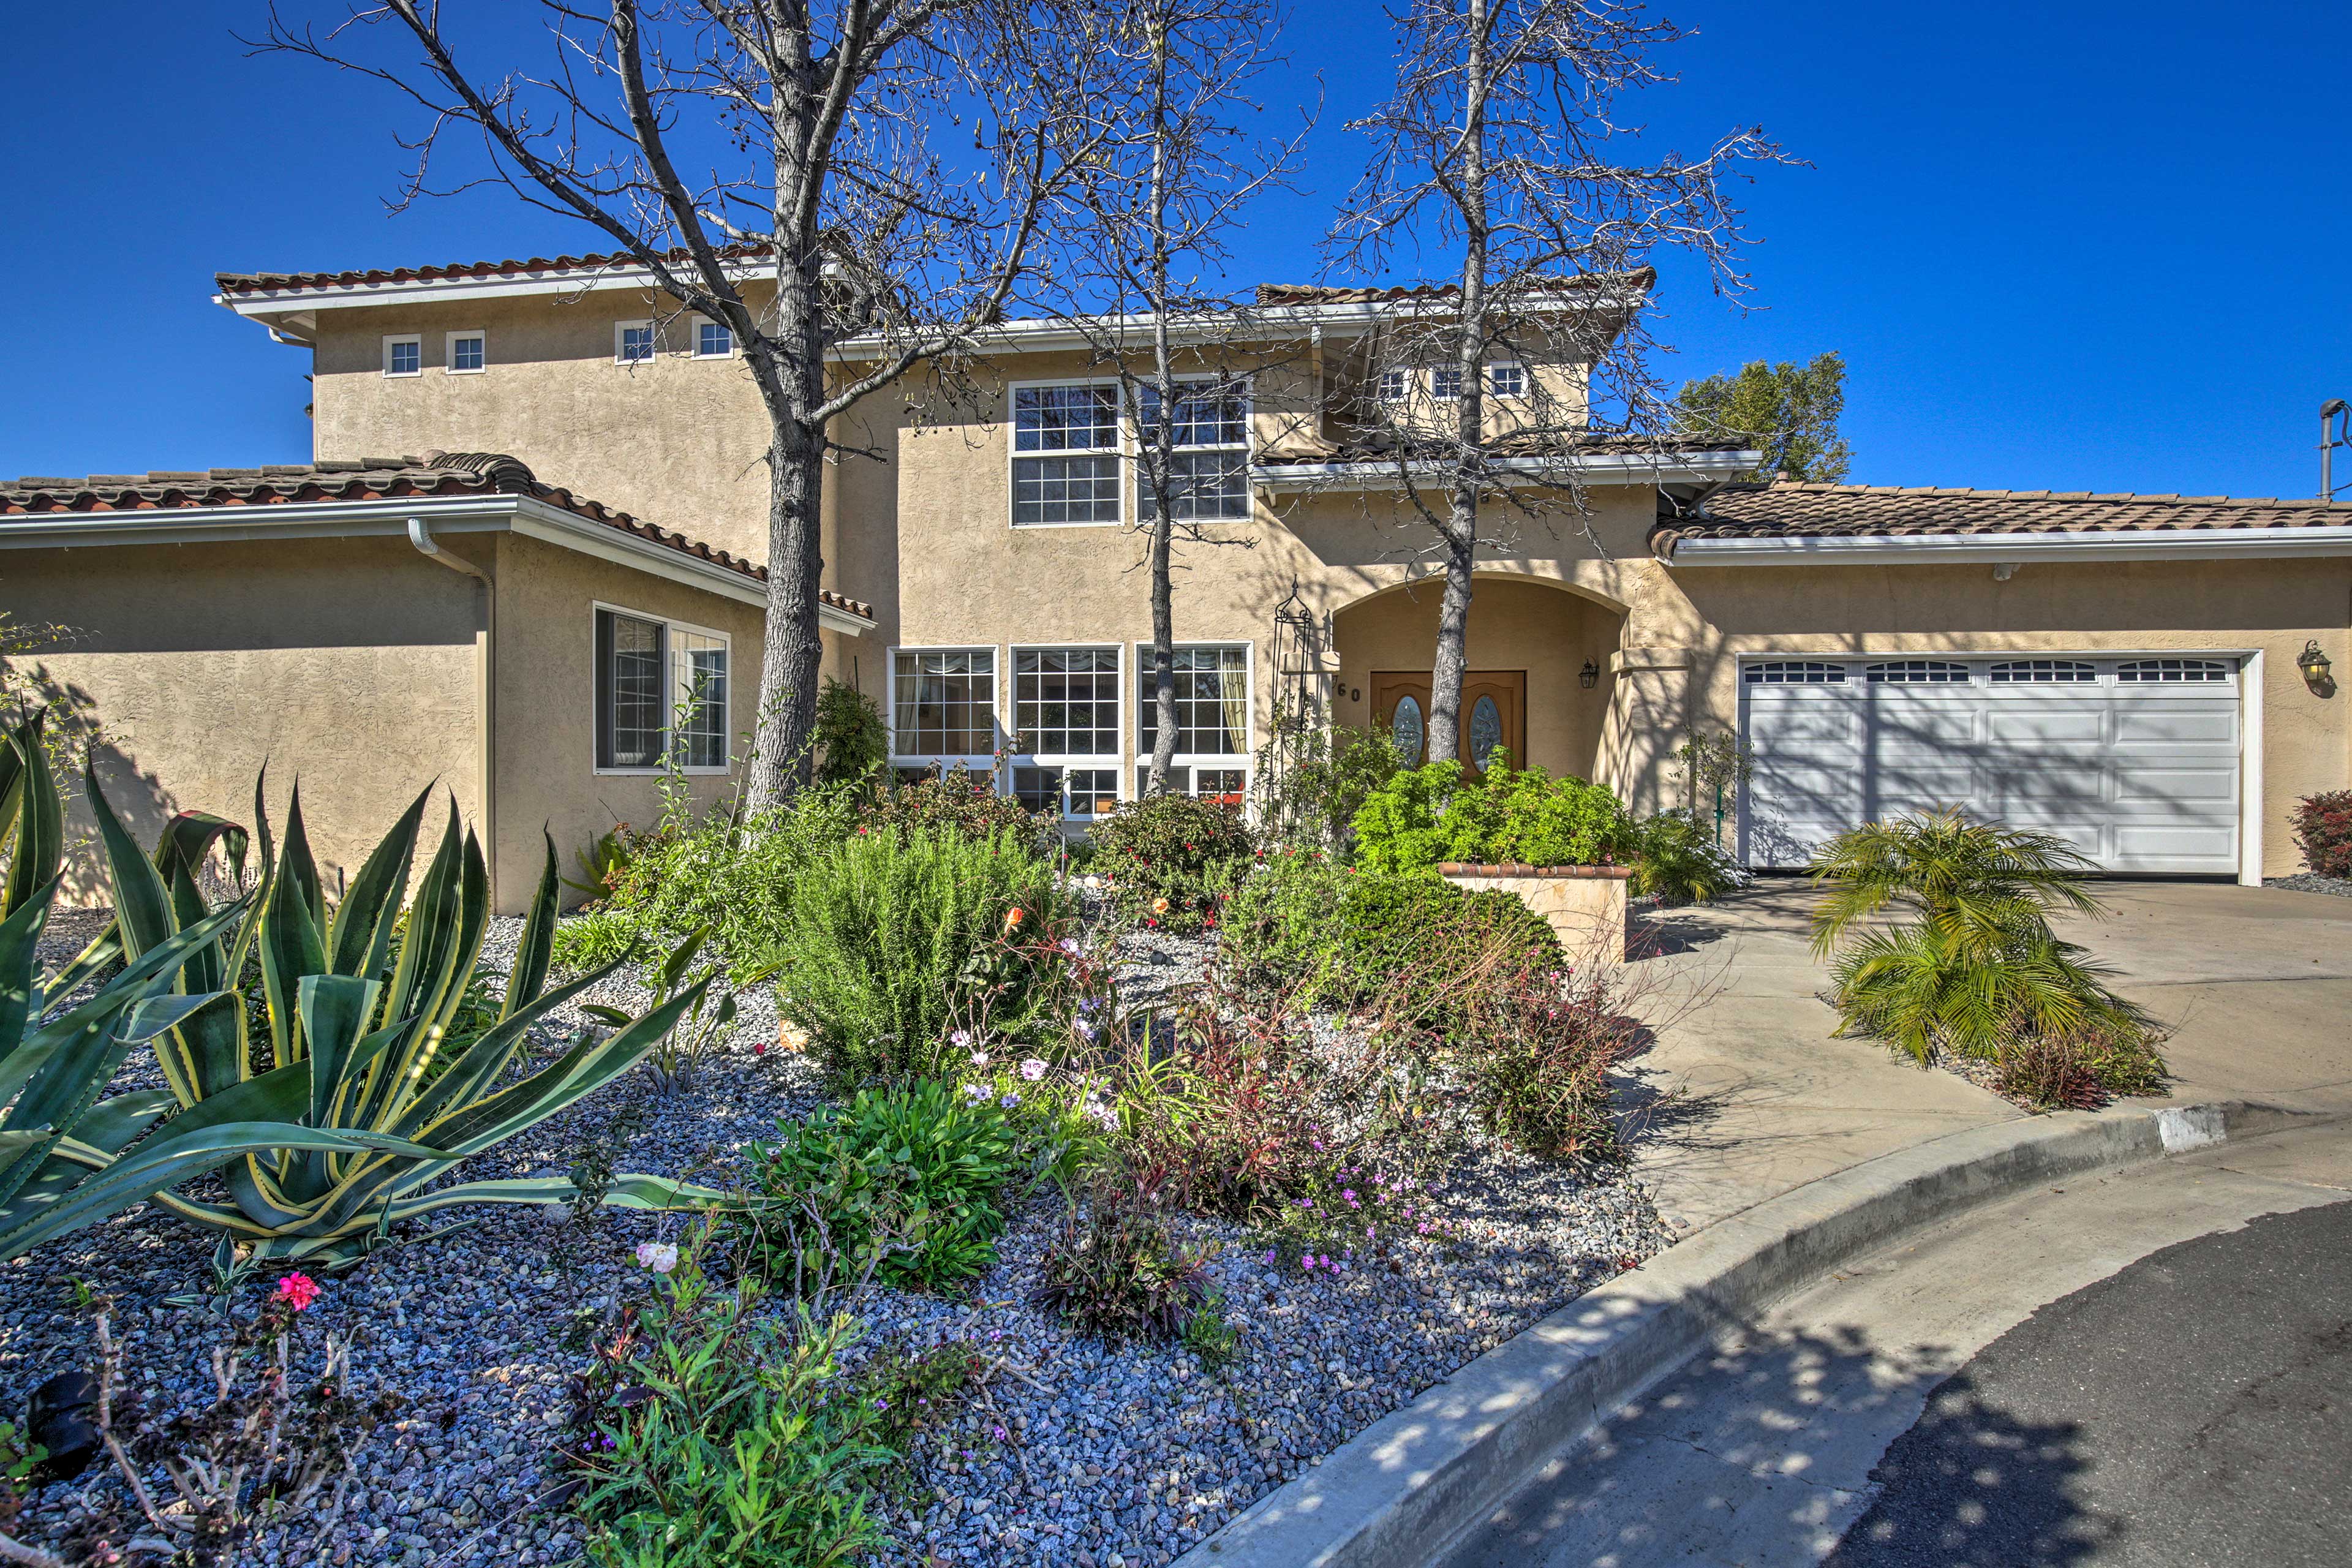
<point x="297" y="1292"/>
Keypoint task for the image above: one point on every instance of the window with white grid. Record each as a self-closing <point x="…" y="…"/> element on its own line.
<point x="943" y="703"/>
<point x="1793" y="672"/>
<point x="1066" y="455"/>
<point x="1917" y="672"/>
<point x="1445" y="382"/>
<point x="633" y="342"/>
<point x="1508" y="379"/>
<point x="2140" y="671"/>
<point x="713" y="339"/>
<point x="1066" y="701"/>
<point x="1208" y="472"/>
<point x="1211" y="703"/>
<point x="2043" y="672"/>
<point x="661" y="690"/>
<point x="1396" y="385"/>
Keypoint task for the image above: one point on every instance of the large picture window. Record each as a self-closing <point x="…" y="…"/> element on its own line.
<point x="942" y="704"/>
<point x="659" y="686"/>
<point x="1208" y="474"/>
<point x="1065" y="710"/>
<point x="1066" y="455"/>
<point x="1212" y="703"/>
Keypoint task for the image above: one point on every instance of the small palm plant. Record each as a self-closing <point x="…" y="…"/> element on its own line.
<point x="1978" y="969"/>
<point x="360" y="1001"/>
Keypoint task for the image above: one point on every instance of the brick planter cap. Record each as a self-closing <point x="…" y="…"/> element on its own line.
<point x="1471" y="869"/>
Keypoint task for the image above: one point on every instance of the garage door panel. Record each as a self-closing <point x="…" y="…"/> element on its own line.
<point x="2138" y="774"/>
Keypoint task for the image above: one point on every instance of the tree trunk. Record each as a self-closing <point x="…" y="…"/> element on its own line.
<point x="1163" y="657"/>
<point x="1461" y="539"/>
<point x="1161" y="438"/>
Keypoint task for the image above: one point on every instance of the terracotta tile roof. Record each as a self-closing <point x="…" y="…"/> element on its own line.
<point x="353" y="479"/>
<point x="1318" y="294"/>
<point x="1793" y="510"/>
<point x="282" y="282"/>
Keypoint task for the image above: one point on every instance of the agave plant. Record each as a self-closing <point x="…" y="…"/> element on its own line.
<point x="1979" y="969"/>
<point x="358" y="1000"/>
<point x="68" y="1157"/>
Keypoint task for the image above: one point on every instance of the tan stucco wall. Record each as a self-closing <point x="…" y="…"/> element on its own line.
<point x="677" y="441"/>
<point x="349" y="664"/>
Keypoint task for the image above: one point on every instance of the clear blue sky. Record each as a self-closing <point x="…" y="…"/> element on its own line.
<point x="2096" y="246"/>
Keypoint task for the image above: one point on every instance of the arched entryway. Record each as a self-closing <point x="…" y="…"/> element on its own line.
<point x="1532" y="646"/>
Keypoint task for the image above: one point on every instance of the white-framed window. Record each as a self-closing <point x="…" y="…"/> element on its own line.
<point x="1396" y="385"/>
<point x="1065" y="706"/>
<point x="1793" y="672"/>
<point x="1212" y="719"/>
<point x="466" y="353"/>
<point x="404" y="354"/>
<point x="1445" y="382"/>
<point x="1917" y="672"/>
<point x="1066" y="453"/>
<point x="1507" y="378"/>
<point x="2043" y="672"/>
<point x="662" y="691"/>
<point x="2140" y="670"/>
<point x="633" y="342"/>
<point x="943" y="708"/>
<point x="713" y="339"/>
<point x="1209" y="471"/>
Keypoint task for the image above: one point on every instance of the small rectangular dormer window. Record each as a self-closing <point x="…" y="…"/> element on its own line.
<point x="1507" y="380"/>
<point x="1445" y="382"/>
<point x="404" y="355"/>
<point x="468" y="353"/>
<point x="714" y="339"/>
<point x="633" y="342"/>
<point x="1395" y="384"/>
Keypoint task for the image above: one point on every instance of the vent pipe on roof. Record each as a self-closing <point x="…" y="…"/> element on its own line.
<point x="2337" y="410"/>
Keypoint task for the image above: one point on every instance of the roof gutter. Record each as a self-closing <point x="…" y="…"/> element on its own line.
<point x="1927" y="548"/>
<point x="1623" y="468"/>
<point x="393" y="518"/>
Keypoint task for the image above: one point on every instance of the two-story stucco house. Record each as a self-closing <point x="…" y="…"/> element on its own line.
<point x="2129" y="670"/>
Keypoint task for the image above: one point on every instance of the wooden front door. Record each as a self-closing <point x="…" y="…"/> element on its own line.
<point x="1494" y="714"/>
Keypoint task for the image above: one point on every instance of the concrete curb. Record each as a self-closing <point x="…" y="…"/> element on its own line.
<point x="1396" y="1492"/>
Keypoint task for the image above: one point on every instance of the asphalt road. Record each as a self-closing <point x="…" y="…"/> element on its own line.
<point x="2194" y="1409"/>
<point x="2149" y="1366"/>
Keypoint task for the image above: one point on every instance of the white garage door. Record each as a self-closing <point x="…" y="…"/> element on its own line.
<point x="2135" y="760"/>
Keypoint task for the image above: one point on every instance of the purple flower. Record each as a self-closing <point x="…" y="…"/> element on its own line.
<point x="1008" y="1099"/>
<point x="1069" y="944"/>
<point x="1000" y="1434"/>
<point x="1033" y="1069"/>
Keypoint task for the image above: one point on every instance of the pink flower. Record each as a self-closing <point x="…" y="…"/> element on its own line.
<point x="1033" y="1069"/>
<point x="297" y="1292"/>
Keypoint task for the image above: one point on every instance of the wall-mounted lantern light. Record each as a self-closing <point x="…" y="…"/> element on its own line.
<point x="2313" y="665"/>
<point x="1590" y="676"/>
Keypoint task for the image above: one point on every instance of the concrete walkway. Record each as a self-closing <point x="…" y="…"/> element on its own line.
<point x="1745" y="1095"/>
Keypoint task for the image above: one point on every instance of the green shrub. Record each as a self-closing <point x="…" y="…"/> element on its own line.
<point x="729" y="1437"/>
<point x="1115" y="1270"/>
<point x="2081" y="1070"/>
<point x="958" y="802"/>
<point x="1540" y="1047"/>
<point x="1171" y="859"/>
<point x="1981" y="969"/>
<point x="734" y="879"/>
<point x="916" y="1171"/>
<point x="1428" y="815"/>
<point x="2323" y="830"/>
<point x="896" y="938"/>
<point x="853" y="744"/>
<point x="1310" y="782"/>
<point x="1280" y="931"/>
<point x="1432" y="931"/>
<point x="1675" y="857"/>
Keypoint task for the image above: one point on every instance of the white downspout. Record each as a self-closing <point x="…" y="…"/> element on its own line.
<point x="420" y="534"/>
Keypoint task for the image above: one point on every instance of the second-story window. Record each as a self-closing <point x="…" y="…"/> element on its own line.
<point x="1445" y="382"/>
<point x="1208" y="475"/>
<point x="468" y="352"/>
<point x="713" y="339"/>
<point x="1066" y="455"/>
<point x="1396" y="385"/>
<point x="1507" y="380"/>
<point x="404" y="356"/>
<point x="633" y="342"/>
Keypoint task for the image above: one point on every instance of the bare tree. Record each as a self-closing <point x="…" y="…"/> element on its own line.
<point x="1147" y="222"/>
<point x="1499" y="149"/>
<point x="772" y="165"/>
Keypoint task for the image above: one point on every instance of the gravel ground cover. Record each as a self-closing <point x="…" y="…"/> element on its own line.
<point x="1103" y="1454"/>
<point x="2312" y="882"/>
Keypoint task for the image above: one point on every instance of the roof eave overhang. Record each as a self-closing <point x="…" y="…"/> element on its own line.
<point x="525" y="515"/>
<point x="1596" y="467"/>
<point x="262" y="304"/>
<point x="1927" y="548"/>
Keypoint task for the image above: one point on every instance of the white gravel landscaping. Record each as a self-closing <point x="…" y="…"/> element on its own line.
<point x="1083" y="1452"/>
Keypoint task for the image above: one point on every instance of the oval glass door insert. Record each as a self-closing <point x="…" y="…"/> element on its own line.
<point x="1486" y="732"/>
<point x="1405" y="727"/>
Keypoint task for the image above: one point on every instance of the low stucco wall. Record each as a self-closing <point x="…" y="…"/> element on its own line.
<point x="1584" y="905"/>
<point x="348" y="664"/>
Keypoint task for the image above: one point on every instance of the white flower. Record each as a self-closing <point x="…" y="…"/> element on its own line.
<point x="1033" y="1069"/>
<point x="961" y="1037"/>
<point x="979" y="1059"/>
<point x="975" y="1091"/>
<point x="658" y="1256"/>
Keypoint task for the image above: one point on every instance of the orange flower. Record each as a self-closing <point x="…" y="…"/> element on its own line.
<point x="1159" y="906"/>
<point x="1012" y="917"/>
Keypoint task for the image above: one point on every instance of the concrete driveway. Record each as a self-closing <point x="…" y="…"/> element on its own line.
<point x="1745" y="1094"/>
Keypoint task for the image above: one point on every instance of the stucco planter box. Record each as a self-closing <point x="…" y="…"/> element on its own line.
<point x="1584" y="905"/>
